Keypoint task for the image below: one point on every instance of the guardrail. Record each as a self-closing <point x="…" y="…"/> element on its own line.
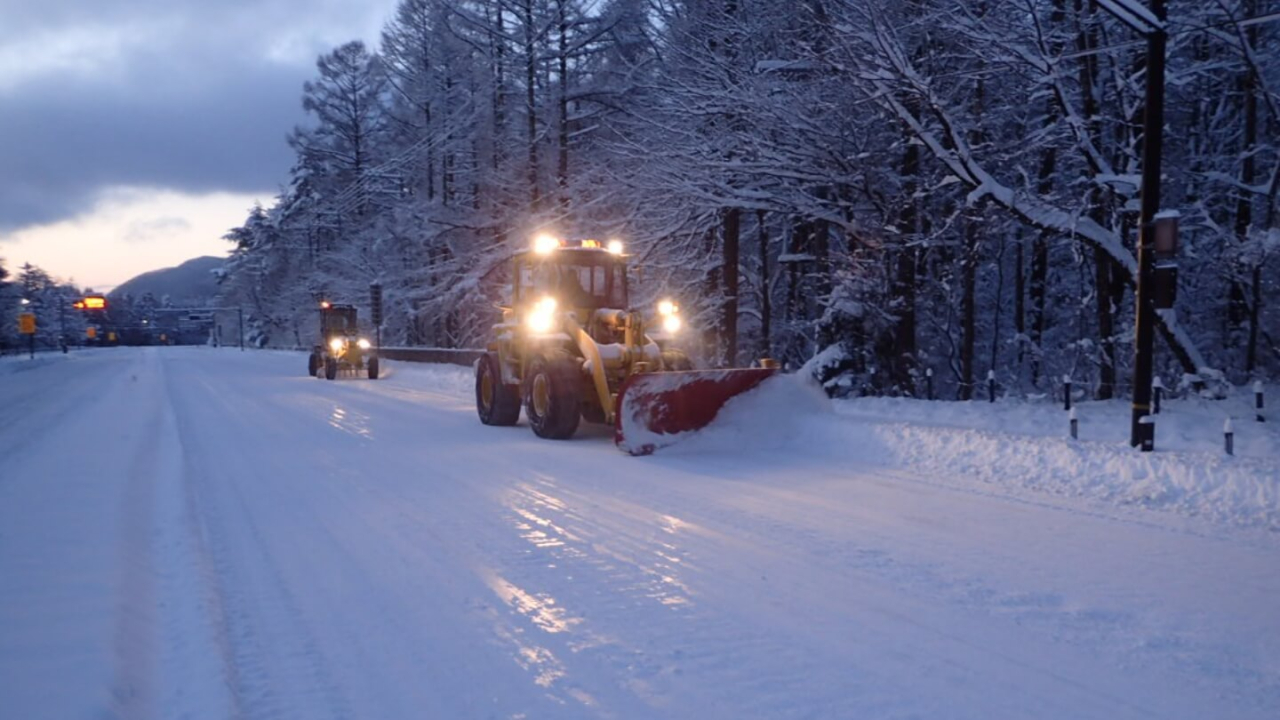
<point x="24" y="351"/>
<point x="447" y="356"/>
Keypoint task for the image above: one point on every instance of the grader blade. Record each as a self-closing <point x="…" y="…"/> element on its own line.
<point x="653" y="409"/>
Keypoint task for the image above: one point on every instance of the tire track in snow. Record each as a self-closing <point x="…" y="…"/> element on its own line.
<point x="202" y="572"/>
<point x="163" y="631"/>
<point x="209" y="592"/>
<point x="134" y="645"/>
<point x="268" y="680"/>
<point x="392" y="603"/>
<point x="634" y="567"/>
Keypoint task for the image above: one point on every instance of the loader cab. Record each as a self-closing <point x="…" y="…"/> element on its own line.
<point x="585" y="277"/>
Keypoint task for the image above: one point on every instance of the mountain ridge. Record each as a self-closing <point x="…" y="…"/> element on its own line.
<point x="190" y="280"/>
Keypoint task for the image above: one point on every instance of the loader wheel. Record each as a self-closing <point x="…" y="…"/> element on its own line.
<point x="313" y="365"/>
<point x="552" y="397"/>
<point x="496" y="402"/>
<point x="330" y="368"/>
<point x="373" y="368"/>
<point x="676" y="361"/>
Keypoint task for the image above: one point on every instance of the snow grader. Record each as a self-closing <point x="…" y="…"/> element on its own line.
<point x="571" y="347"/>
<point x="341" y="349"/>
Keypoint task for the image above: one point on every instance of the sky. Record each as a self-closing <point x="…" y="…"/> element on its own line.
<point x="136" y="133"/>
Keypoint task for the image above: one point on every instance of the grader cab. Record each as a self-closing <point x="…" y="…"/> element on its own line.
<point x="341" y="350"/>
<point x="571" y="347"/>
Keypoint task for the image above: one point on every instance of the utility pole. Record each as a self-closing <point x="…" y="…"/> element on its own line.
<point x="1150" y="22"/>
<point x="1143" y="434"/>
<point x="240" y="316"/>
<point x="62" y="321"/>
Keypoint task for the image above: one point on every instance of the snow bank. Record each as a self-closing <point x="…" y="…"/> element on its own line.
<point x="445" y="379"/>
<point x="1186" y="424"/>
<point x="1241" y="491"/>
<point x="15" y="363"/>
<point x="1025" y="445"/>
<point x="1019" y="446"/>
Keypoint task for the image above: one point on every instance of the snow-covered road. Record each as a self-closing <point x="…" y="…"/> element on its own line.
<point x="194" y="533"/>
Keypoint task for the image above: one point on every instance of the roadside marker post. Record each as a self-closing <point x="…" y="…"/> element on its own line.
<point x="1149" y="428"/>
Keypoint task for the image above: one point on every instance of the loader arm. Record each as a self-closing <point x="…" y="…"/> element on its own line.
<point x="591" y="351"/>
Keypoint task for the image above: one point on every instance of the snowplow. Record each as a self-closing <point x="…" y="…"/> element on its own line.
<point x="341" y="350"/>
<point x="570" y="347"/>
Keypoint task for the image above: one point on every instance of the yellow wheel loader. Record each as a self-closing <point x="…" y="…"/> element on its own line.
<point x="571" y="347"/>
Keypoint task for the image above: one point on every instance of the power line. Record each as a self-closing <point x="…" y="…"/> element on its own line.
<point x="1246" y="22"/>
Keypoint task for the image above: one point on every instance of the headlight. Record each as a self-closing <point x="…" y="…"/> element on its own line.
<point x="544" y="244"/>
<point x="666" y="307"/>
<point x="671" y="324"/>
<point x="615" y="247"/>
<point x="337" y="344"/>
<point x="542" y="318"/>
<point x="540" y="322"/>
<point x="364" y="344"/>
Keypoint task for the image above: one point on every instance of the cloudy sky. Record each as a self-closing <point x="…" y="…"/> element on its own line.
<point x="134" y="133"/>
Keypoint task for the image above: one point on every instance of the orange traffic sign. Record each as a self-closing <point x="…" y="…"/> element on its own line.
<point x="27" y="323"/>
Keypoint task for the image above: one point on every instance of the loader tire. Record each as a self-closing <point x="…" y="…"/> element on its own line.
<point x="676" y="361"/>
<point x="313" y="365"/>
<point x="553" y="397"/>
<point x="372" y="364"/>
<point x="496" y="403"/>
<point x="330" y="368"/>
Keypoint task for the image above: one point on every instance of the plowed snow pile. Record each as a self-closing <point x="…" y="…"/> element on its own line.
<point x="783" y="411"/>
<point x="1016" y="445"/>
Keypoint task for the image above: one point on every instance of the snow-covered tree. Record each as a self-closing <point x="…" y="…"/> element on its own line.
<point x="941" y="185"/>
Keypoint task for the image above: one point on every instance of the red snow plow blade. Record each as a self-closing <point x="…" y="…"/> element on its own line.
<point x="654" y="408"/>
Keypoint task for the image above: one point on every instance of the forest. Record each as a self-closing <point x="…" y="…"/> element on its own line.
<point x="883" y="189"/>
<point x="48" y="298"/>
